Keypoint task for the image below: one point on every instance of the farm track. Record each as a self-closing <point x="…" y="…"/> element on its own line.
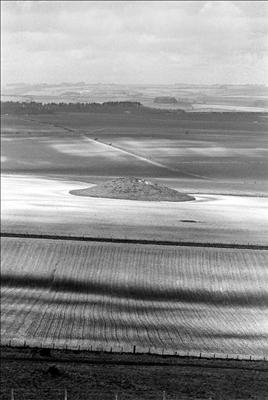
<point x="147" y="160"/>
<point x="122" y="150"/>
<point x="135" y="241"/>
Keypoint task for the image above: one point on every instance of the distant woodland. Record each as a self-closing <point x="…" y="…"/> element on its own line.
<point x="11" y="107"/>
<point x="121" y="107"/>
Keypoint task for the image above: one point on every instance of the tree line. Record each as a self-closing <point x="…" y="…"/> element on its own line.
<point x="15" y="107"/>
<point x="119" y="107"/>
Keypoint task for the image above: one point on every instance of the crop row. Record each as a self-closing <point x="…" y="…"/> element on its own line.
<point x="189" y="299"/>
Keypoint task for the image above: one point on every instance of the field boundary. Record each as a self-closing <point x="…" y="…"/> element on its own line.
<point x="133" y="350"/>
<point x="133" y="241"/>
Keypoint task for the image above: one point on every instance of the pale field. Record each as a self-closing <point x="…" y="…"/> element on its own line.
<point x="38" y="205"/>
<point x="225" y="107"/>
<point x="159" y="297"/>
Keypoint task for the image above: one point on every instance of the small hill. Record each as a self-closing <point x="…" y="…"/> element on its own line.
<point x="165" y="100"/>
<point x="133" y="189"/>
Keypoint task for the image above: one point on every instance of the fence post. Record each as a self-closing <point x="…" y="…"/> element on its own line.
<point x="134" y="349"/>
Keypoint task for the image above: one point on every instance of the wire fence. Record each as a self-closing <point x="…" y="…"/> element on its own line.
<point x="69" y="394"/>
<point x="43" y="352"/>
<point x="131" y="349"/>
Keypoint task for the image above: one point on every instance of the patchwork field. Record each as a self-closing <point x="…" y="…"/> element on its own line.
<point x="172" y="298"/>
<point x="209" y="153"/>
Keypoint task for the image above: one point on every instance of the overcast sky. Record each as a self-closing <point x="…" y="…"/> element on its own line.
<point x="135" y="41"/>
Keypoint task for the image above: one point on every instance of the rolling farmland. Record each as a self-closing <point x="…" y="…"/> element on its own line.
<point x="173" y="298"/>
<point x="134" y="201"/>
<point x="188" y="299"/>
<point x="205" y="153"/>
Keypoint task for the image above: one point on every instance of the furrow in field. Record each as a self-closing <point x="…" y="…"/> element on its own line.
<point x="202" y="299"/>
<point x="198" y="326"/>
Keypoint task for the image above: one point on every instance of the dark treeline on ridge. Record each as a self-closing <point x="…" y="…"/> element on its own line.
<point x="119" y="107"/>
<point x="48" y="108"/>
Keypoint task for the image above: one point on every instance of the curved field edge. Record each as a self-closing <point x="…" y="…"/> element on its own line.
<point x="134" y="241"/>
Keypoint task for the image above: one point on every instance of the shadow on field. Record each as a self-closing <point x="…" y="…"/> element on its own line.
<point x="163" y="294"/>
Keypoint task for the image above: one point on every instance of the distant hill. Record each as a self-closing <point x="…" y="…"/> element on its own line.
<point x="170" y="97"/>
<point x="165" y="100"/>
<point x="70" y="93"/>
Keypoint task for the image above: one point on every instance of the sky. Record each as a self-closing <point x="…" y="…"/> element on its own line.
<point x="164" y="42"/>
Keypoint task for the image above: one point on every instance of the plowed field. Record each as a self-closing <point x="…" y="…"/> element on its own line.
<point x="164" y="297"/>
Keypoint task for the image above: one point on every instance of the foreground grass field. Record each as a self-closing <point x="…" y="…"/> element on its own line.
<point x="159" y="297"/>
<point x="124" y="377"/>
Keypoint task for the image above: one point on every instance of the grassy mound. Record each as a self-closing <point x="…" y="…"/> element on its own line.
<point x="133" y="189"/>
